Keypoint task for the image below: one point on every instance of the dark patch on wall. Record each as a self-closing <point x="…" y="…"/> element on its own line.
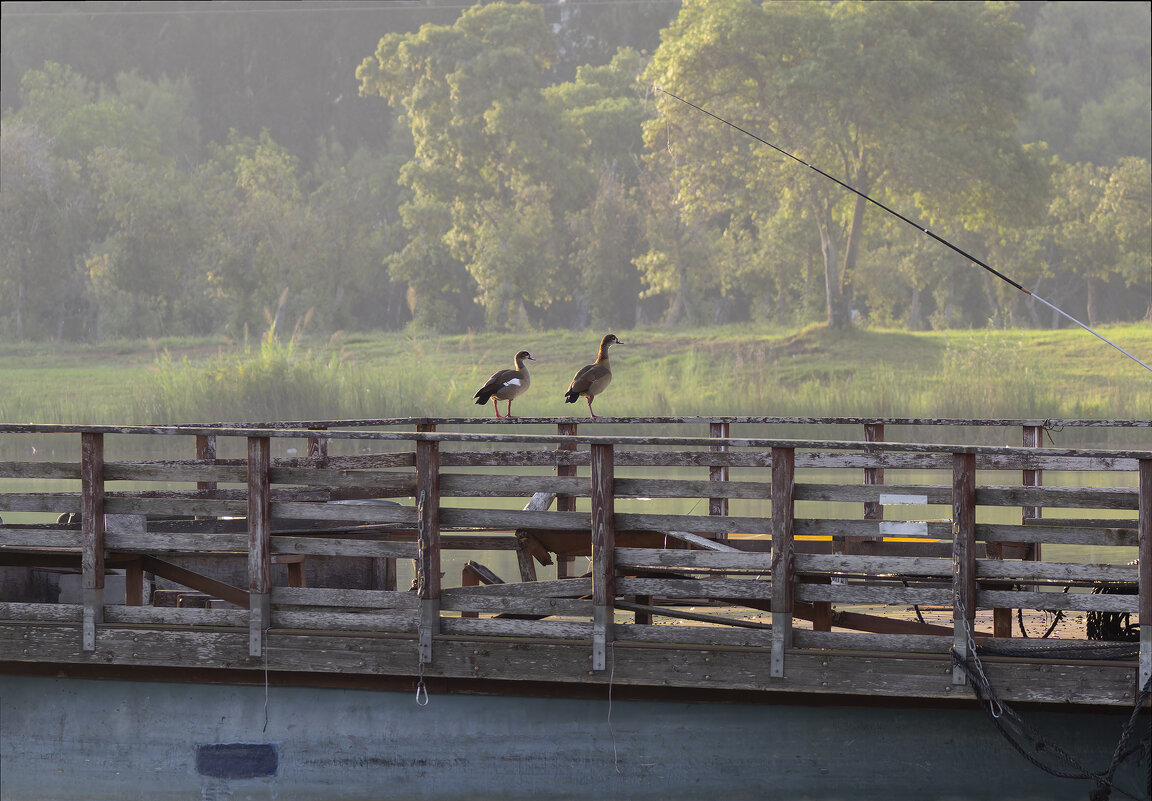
<point x="237" y="760"/>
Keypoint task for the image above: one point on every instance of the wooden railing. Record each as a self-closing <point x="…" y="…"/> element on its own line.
<point x="759" y="569"/>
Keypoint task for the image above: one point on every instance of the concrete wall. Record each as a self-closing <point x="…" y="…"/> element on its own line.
<point x="64" y="739"/>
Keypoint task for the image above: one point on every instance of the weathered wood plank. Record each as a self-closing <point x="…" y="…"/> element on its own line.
<point x="859" y="594"/>
<point x="696" y="524"/>
<point x="640" y="664"/>
<point x="496" y="604"/>
<point x="694" y="635"/>
<point x="502" y="627"/>
<point x="40" y="502"/>
<point x="92" y="534"/>
<point x="325" y="546"/>
<point x="873" y="565"/>
<point x="398" y="621"/>
<point x="512" y="519"/>
<point x="143" y="542"/>
<point x="1078" y="601"/>
<point x="694" y="588"/>
<point x="508" y="486"/>
<point x="874" y="529"/>
<point x="860" y="641"/>
<point x="562" y="588"/>
<point x="730" y="560"/>
<point x="36" y="612"/>
<point x="917" y="495"/>
<point x="174" y="616"/>
<point x="696" y="541"/>
<point x="324" y="596"/>
<point x="783" y="554"/>
<point x="428" y="542"/>
<point x="23" y="470"/>
<point x="1066" y="497"/>
<point x="604" y="585"/>
<point x="1025" y="572"/>
<point x="964" y="500"/>
<point x="1080" y="534"/>
<point x="38" y="538"/>
<point x="1145" y="559"/>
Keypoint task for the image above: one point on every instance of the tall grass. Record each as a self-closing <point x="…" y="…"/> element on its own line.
<point x="721" y="371"/>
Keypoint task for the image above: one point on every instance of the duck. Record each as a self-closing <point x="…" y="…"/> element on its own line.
<point x="506" y="384"/>
<point x="592" y="379"/>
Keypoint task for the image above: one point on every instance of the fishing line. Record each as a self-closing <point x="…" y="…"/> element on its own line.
<point x="910" y="222"/>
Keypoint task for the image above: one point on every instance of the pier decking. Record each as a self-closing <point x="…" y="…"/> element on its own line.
<point x="651" y="553"/>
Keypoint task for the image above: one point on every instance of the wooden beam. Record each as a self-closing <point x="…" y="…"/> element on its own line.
<point x="603" y="552"/>
<point x="783" y="554"/>
<point x="91" y="535"/>
<point x="428" y="542"/>
<point x="1145" y="569"/>
<point x="259" y="542"/>
<point x="196" y="581"/>
<point x="963" y="556"/>
<point x="565" y="503"/>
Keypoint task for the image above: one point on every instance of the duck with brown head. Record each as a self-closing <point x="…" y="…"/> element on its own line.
<point x="506" y="384"/>
<point x="592" y="379"/>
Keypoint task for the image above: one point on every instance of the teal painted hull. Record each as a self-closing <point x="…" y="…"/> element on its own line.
<point x="92" y="739"/>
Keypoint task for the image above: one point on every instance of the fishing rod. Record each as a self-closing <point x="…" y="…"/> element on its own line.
<point x="912" y="223"/>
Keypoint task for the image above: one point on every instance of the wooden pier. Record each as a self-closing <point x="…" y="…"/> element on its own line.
<point x="652" y="553"/>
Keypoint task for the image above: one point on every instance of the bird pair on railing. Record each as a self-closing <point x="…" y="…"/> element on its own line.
<point x="589" y="381"/>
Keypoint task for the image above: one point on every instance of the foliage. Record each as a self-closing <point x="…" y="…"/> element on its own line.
<point x="522" y="174"/>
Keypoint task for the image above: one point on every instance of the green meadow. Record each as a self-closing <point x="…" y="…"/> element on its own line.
<point x="733" y="370"/>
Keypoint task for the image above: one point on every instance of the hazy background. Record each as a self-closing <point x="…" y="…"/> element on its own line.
<point x="196" y="169"/>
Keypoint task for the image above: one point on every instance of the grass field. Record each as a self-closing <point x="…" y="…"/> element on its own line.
<point x="735" y="370"/>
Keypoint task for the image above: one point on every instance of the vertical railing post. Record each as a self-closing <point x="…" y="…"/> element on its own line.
<point x="259" y="542"/>
<point x="718" y="506"/>
<point x="603" y="492"/>
<point x="565" y="503"/>
<point x="428" y="541"/>
<point x="91" y="535"/>
<point x="873" y="510"/>
<point x="963" y="556"/>
<point x="318" y="447"/>
<point x="1033" y="438"/>
<point x="205" y="452"/>
<point x="783" y="554"/>
<point x="1144" y="544"/>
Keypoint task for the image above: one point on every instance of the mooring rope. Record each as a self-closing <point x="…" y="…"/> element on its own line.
<point x="1015" y="729"/>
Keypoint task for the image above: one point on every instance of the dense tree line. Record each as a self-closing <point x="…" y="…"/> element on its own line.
<point x="173" y="171"/>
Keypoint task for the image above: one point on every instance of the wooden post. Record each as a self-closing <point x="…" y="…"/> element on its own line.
<point x="91" y="536"/>
<point x="428" y="541"/>
<point x="565" y="503"/>
<point x="963" y="556"/>
<point x="205" y="452"/>
<point x="873" y="510"/>
<point x="718" y="506"/>
<point x="1144" y="542"/>
<point x="259" y="542"/>
<point x="1033" y="438"/>
<point x="318" y="448"/>
<point x="603" y="552"/>
<point x="783" y="554"/>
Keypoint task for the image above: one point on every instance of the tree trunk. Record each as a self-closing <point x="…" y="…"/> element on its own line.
<point x="851" y="250"/>
<point x="833" y="295"/>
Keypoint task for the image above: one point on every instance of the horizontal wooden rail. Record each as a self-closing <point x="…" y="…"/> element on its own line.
<point x="738" y="569"/>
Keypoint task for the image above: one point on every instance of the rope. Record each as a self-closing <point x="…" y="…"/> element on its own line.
<point x="1025" y="740"/>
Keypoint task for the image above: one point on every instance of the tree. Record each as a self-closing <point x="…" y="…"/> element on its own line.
<point x="488" y="148"/>
<point x="1089" y="93"/>
<point x="915" y="102"/>
<point x="44" y="220"/>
